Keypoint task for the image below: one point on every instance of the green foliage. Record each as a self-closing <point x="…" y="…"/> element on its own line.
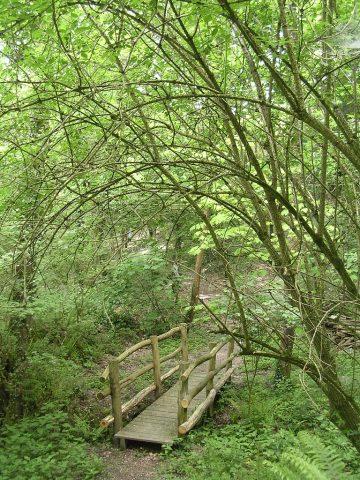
<point x="44" y="448"/>
<point x="45" y="377"/>
<point x="310" y="459"/>
<point x="113" y="153"/>
<point x="230" y="453"/>
<point x="239" y="451"/>
<point x="141" y="294"/>
<point x="66" y="336"/>
<point x="266" y="439"/>
<point x="282" y="406"/>
<point x="8" y="344"/>
<point x="74" y="331"/>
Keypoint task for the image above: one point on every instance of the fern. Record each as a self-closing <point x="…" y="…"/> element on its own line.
<point x="309" y="460"/>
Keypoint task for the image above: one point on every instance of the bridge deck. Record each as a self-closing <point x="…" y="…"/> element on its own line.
<point x="158" y="422"/>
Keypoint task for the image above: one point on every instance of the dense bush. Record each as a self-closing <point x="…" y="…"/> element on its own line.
<point x="45" y="378"/>
<point x="241" y="451"/>
<point x="141" y="294"/>
<point x="46" y="363"/>
<point x="71" y="321"/>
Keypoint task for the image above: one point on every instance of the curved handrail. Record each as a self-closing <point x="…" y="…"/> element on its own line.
<point x="141" y="371"/>
<point x="185" y="402"/>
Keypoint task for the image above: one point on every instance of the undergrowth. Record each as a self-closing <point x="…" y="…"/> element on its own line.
<point x="272" y="433"/>
<point x="45" y="447"/>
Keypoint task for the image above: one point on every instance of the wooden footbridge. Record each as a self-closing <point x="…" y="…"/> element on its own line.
<point x="177" y="410"/>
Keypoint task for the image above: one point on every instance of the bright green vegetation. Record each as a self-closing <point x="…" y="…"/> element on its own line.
<point x="152" y="150"/>
<point x="271" y="433"/>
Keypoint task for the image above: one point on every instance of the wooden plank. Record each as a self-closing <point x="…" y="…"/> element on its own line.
<point x="153" y="421"/>
<point x="146" y="438"/>
<point x="158" y="423"/>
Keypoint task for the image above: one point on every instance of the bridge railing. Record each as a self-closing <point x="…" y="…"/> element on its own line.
<point x="111" y="374"/>
<point x="186" y="423"/>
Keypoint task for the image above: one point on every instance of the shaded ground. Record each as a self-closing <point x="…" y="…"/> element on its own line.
<point x="135" y="463"/>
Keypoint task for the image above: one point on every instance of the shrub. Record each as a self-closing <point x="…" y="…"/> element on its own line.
<point x="233" y="452"/>
<point x="242" y="451"/>
<point x="141" y="293"/>
<point x="70" y="321"/>
<point x="286" y="406"/>
<point x="45" y="377"/>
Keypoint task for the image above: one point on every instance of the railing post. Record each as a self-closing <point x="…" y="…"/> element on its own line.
<point x="156" y="363"/>
<point x="211" y="368"/>
<point x="184" y="342"/>
<point x="183" y="391"/>
<point x="230" y="352"/>
<point x="116" y="400"/>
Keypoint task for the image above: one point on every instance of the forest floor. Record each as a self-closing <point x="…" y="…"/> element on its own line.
<point x="133" y="464"/>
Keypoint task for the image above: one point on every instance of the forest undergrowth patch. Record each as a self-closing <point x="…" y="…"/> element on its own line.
<point x="264" y="432"/>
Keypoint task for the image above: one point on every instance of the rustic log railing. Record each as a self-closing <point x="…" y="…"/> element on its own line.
<point x="185" y="396"/>
<point x="211" y="381"/>
<point x="112" y="373"/>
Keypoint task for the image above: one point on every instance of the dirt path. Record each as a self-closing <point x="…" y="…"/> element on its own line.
<point x="135" y="463"/>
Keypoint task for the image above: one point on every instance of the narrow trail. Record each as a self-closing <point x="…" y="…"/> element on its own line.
<point x="131" y="464"/>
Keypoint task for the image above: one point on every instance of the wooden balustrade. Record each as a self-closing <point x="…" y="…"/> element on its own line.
<point x="204" y="358"/>
<point x="183" y="391"/>
<point x="201" y="409"/>
<point x="185" y="396"/>
<point x="205" y="381"/>
<point x="141" y="371"/>
<point x="144" y="343"/>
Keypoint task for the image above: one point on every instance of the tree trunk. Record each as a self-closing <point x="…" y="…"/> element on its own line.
<point x="195" y="289"/>
<point x="283" y="369"/>
<point x="345" y="412"/>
